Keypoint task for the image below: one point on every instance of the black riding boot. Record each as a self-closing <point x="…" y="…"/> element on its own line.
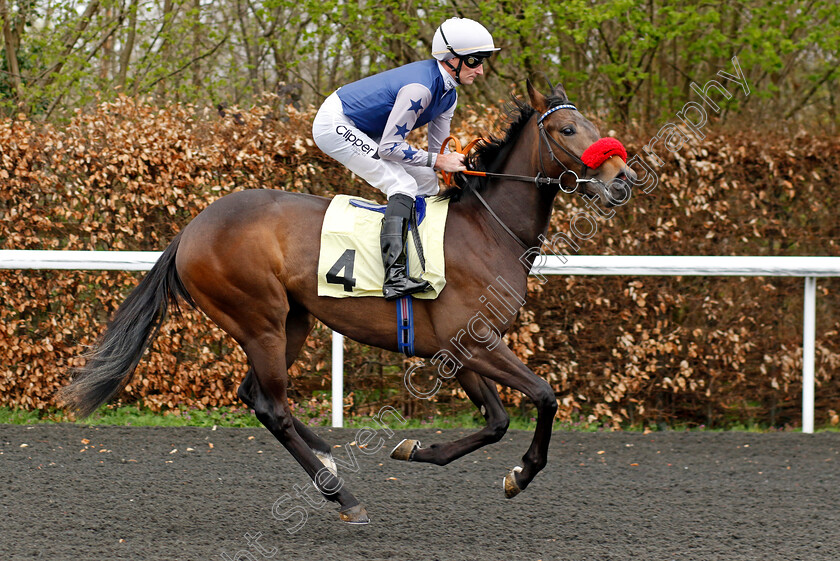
<point x="392" y="241"/>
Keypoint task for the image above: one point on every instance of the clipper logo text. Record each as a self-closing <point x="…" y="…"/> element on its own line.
<point x="347" y="134"/>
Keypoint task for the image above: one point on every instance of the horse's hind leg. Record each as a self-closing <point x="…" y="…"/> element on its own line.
<point x="319" y="447"/>
<point x="485" y="396"/>
<point x="267" y="394"/>
<point x="299" y="324"/>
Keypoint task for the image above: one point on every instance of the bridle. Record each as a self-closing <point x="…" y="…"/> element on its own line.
<point x="548" y="140"/>
<point x="539" y="180"/>
<point x="542" y="178"/>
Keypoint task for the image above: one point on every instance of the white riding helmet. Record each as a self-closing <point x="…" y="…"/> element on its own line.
<point x="461" y="36"/>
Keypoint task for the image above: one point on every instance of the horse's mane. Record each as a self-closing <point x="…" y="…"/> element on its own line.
<point x="491" y="152"/>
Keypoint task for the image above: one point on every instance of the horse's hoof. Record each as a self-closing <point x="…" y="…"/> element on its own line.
<point x="511" y="487"/>
<point x="355" y="515"/>
<point x="405" y="450"/>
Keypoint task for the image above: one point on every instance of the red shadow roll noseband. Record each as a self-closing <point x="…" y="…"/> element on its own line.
<point x="602" y="150"/>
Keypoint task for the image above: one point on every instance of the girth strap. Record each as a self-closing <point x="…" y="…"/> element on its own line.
<point x="405" y="325"/>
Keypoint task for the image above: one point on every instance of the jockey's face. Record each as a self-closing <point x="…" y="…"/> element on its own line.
<point x="468" y="75"/>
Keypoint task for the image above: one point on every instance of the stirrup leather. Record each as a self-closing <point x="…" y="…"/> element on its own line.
<point x="392" y="241"/>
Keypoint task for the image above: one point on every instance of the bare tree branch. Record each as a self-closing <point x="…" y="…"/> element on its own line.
<point x="48" y="75"/>
<point x="189" y="63"/>
<point x="10" y="41"/>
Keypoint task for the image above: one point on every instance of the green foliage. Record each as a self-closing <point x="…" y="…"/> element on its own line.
<point x="624" y="58"/>
<point x="136" y="416"/>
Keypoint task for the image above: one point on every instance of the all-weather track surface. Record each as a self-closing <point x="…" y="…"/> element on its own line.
<point x="77" y="493"/>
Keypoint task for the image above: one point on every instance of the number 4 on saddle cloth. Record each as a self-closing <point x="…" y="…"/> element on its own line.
<point x="350" y="259"/>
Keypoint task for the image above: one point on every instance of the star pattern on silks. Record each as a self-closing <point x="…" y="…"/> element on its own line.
<point x="416" y="106"/>
<point x="409" y="153"/>
<point x="393" y="147"/>
<point x="402" y="130"/>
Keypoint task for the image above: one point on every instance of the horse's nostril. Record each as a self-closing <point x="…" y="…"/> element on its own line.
<point x="620" y="190"/>
<point x="627" y="175"/>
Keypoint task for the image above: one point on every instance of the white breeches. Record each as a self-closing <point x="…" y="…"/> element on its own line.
<point x="337" y="136"/>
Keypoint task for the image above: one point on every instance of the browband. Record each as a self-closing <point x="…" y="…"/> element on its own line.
<point x="553" y="109"/>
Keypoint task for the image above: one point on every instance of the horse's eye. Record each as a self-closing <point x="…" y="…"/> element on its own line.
<point x="568" y="131"/>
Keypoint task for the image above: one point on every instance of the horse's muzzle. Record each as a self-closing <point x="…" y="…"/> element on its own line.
<point x="618" y="191"/>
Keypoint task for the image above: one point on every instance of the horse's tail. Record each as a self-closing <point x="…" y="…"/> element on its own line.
<point x="112" y="361"/>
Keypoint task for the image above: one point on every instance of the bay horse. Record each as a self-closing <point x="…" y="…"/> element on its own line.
<point x="249" y="262"/>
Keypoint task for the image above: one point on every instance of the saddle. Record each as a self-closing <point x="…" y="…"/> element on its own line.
<point x="350" y="260"/>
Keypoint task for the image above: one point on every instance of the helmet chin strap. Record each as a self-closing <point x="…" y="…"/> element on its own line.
<point x="456" y="70"/>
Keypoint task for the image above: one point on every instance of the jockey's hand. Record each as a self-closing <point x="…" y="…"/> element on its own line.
<point x="450" y="162"/>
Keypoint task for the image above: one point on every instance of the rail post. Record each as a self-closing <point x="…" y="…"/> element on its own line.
<point x="808" y="337"/>
<point x="337" y="380"/>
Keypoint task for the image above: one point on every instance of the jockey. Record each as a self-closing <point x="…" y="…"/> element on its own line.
<point x="364" y="126"/>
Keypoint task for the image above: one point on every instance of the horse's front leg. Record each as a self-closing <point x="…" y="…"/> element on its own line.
<point x="502" y="365"/>
<point x="485" y="396"/>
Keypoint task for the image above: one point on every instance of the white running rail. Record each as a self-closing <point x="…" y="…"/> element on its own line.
<point x="713" y="266"/>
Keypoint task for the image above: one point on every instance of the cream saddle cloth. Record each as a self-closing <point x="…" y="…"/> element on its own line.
<point x="350" y="261"/>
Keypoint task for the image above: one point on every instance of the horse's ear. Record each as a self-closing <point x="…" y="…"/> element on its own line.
<point x="559" y="91"/>
<point x="538" y="101"/>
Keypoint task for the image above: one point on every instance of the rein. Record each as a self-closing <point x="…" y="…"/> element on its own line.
<point x="447" y="178"/>
<point x="540" y="179"/>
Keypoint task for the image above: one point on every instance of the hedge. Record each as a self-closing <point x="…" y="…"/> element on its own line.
<point x="128" y="176"/>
